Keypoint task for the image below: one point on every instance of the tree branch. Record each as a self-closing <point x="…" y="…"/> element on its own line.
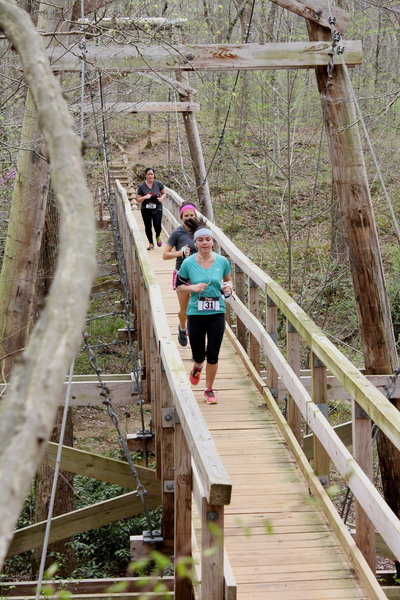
<point x="27" y="413"/>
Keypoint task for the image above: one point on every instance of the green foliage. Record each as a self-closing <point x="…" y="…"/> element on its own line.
<point x="105" y="551"/>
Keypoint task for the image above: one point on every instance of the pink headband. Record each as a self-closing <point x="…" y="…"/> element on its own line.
<point x="186" y="207"/>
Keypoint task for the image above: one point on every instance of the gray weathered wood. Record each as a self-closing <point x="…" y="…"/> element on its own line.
<point x="212" y="57"/>
<point x="28" y="411"/>
<point x="196" y="155"/>
<point x="318" y="11"/>
<point x="81" y="520"/>
<point x="101" y="467"/>
<point x="144" y="107"/>
<point x="82" y="586"/>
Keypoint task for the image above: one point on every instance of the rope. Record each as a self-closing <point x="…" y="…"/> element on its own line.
<point x="54" y="484"/>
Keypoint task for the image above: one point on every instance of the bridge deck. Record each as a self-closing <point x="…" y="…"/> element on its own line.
<point x="277" y="539"/>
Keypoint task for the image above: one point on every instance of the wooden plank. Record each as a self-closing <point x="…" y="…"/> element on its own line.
<point x="384" y="519"/>
<point x="117" y="596"/>
<point x="212" y="551"/>
<point x="85" y="519"/>
<point x="183" y="512"/>
<point x="319" y="396"/>
<point x="294" y="360"/>
<point x="101" y="467"/>
<point x="254" y="307"/>
<point x="336" y="391"/>
<point x="317" y="11"/>
<point x="362" y="451"/>
<point x="210" y="57"/>
<point x="83" y="586"/>
<point x="329" y="510"/>
<point x="85" y="390"/>
<point x="145" y="107"/>
<point x="343" y="431"/>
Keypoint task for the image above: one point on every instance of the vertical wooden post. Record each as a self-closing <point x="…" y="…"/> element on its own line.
<point x="167" y="459"/>
<point x="240" y="290"/>
<point x="146" y="329"/>
<point x="212" y="563"/>
<point x="183" y="511"/>
<point x="196" y="154"/>
<point x="254" y="306"/>
<point x="272" y="329"/>
<point x="320" y="397"/>
<point x="355" y="203"/>
<point x="293" y="357"/>
<point x="362" y="452"/>
<point x="158" y="417"/>
<point x="154" y="390"/>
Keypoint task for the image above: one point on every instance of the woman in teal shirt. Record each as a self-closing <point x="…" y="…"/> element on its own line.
<point x="206" y="276"/>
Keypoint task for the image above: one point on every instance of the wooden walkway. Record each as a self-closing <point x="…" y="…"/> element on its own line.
<point x="279" y="544"/>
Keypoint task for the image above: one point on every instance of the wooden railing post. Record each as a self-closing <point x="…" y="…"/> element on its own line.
<point x="240" y="290"/>
<point x="183" y="512"/>
<point x="320" y="398"/>
<point x="362" y="452"/>
<point x="212" y="551"/>
<point x="146" y="329"/>
<point x="293" y="357"/>
<point x="254" y="307"/>
<point x="167" y="460"/>
<point x="272" y="329"/>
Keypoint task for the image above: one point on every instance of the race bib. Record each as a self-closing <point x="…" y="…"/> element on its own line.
<point x="205" y="304"/>
<point x="151" y="205"/>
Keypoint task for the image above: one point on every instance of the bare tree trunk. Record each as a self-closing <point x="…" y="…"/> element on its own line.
<point x="373" y="309"/>
<point x="28" y="208"/>
<point x="27" y="413"/>
<point x="64" y="497"/>
<point x="21" y="254"/>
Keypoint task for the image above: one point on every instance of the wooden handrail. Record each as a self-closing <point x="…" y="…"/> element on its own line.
<point x="357" y="385"/>
<point x="386" y="417"/>
<point x="215" y="480"/>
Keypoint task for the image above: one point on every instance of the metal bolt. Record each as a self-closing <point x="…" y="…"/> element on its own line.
<point x="212" y="515"/>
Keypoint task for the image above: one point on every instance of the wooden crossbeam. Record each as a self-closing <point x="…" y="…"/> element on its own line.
<point x="85" y="519"/>
<point x="118" y="22"/>
<point x="99" y="467"/>
<point x="143" y="107"/>
<point x="85" y="586"/>
<point x="318" y="11"/>
<point x="211" y="57"/>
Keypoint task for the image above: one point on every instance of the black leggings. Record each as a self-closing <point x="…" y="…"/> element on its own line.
<point x="200" y="326"/>
<point x="152" y="217"/>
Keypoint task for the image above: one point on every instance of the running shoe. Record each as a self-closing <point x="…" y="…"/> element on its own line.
<point x="182" y="337"/>
<point x="210" y="397"/>
<point x="159" y="242"/>
<point x="194" y="375"/>
<point x="150" y="247"/>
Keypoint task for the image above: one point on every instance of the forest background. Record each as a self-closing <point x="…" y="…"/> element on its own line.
<point x="263" y="139"/>
<point x="264" y="144"/>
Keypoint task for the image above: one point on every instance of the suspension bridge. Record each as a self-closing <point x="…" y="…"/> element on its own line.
<point x="241" y="489"/>
<point x="235" y="483"/>
<point x="282" y="536"/>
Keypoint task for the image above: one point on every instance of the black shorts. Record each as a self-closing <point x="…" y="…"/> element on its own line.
<point x="205" y="335"/>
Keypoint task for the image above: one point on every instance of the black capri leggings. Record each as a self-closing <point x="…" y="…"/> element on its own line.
<point x="152" y="217"/>
<point x="200" y="327"/>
